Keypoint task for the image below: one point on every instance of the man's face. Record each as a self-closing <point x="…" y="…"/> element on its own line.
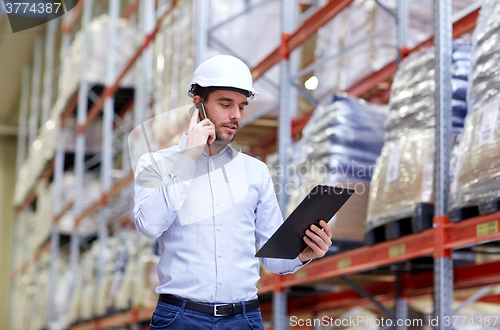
<point x="225" y="111"/>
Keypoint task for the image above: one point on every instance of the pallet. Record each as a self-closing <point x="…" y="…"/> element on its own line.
<point x="343" y="245"/>
<point x="420" y="220"/>
<point x="474" y="210"/>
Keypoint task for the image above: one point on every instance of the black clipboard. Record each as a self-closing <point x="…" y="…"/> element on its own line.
<point x="320" y="204"/>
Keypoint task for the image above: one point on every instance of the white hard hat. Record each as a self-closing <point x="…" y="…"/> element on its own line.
<point x="226" y="72"/>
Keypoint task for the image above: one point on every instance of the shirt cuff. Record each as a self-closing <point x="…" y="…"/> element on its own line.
<point x="184" y="167"/>
<point x="299" y="264"/>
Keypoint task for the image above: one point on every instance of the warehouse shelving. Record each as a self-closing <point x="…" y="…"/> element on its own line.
<point x="93" y="112"/>
<point x="455" y="235"/>
<point x="56" y="170"/>
<point x="469" y="276"/>
<point x="368" y="87"/>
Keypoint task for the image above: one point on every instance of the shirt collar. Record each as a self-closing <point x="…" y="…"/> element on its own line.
<point x="228" y="148"/>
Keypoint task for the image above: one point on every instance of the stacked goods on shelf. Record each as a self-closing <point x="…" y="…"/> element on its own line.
<point x="145" y="277"/>
<point x="339" y="147"/>
<point x="44" y="150"/>
<point x="61" y="297"/>
<point x="91" y="194"/>
<point x="123" y="271"/>
<point x="27" y="238"/>
<point x="476" y="185"/>
<point x="174" y="54"/>
<point x="355" y="23"/>
<point x="41" y="293"/>
<point x="109" y="255"/>
<point x="175" y="60"/>
<point x="346" y="28"/>
<point x="97" y="54"/>
<point x="30" y="294"/>
<point x="43" y="214"/>
<point x="23" y="297"/>
<point x="251" y="37"/>
<point x="88" y="282"/>
<point x="402" y="195"/>
<point x="128" y="280"/>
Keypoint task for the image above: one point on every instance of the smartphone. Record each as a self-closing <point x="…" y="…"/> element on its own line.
<point x="202" y="113"/>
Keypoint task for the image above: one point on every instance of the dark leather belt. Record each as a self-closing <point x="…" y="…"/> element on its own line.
<point x="215" y="310"/>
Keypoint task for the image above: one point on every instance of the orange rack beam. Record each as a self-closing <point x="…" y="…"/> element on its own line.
<point x="473" y="231"/>
<point x="304" y="32"/>
<point x="466" y="277"/>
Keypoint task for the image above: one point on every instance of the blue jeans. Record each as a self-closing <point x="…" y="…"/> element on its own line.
<point x="167" y="316"/>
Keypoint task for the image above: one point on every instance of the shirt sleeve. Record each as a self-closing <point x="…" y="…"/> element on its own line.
<point x="160" y="188"/>
<point x="268" y="220"/>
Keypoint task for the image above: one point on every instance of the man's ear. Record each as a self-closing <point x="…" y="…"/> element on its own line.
<point x="196" y="99"/>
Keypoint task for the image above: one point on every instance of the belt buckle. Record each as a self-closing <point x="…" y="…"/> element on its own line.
<point x="220" y="305"/>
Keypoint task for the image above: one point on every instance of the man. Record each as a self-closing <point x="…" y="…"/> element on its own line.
<point x="213" y="206"/>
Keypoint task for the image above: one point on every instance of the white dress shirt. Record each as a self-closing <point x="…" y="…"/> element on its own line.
<point x="208" y="216"/>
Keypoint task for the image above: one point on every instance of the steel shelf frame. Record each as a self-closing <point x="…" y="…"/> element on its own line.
<point x="436" y="241"/>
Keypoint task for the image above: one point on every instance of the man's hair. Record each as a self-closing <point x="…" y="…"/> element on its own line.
<point x="202" y="92"/>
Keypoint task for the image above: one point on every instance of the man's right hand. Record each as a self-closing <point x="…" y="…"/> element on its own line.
<point x="198" y="135"/>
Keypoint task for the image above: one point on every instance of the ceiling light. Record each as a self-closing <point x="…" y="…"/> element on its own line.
<point x="311" y="83"/>
<point x="50" y="124"/>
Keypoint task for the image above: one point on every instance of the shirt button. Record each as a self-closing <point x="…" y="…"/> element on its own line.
<point x="220" y="255"/>
<point x="217" y="203"/>
<point x="191" y="172"/>
<point x="218" y="229"/>
<point x="220" y="282"/>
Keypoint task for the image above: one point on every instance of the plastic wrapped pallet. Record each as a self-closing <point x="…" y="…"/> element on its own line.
<point x="477" y="182"/>
<point x="74" y="306"/>
<point x="41" y="293"/>
<point x="251" y="38"/>
<point x="24" y="291"/>
<point x="41" y="154"/>
<point x="125" y="255"/>
<point x="44" y="151"/>
<point x="402" y="179"/>
<point x="412" y="93"/>
<point x="44" y="213"/>
<point x="353" y="24"/>
<point x="35" y="163"/>
<point x="146" y="277"/>
<point x="175" y="58"/>
<point x="339" y="147"/>
<point x="127" y="43"/>
<point x="91" y="194"/>
<point x="87" y="285"/>
<point x="402" y="186"/>
<point x="61" y="298"/>
<point x="478" y="179"/>
<point x="109" y="254"/>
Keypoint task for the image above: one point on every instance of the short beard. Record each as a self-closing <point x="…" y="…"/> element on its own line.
<point x="218" y="137"/>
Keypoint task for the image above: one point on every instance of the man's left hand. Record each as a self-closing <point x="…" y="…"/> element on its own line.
<point x="318" y="241"/>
